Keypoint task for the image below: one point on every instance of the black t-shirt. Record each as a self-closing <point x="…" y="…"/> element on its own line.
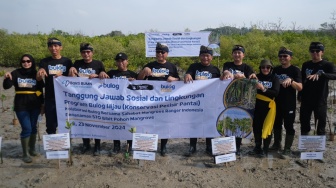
<point x="116" y="74"/>
<point x="201" y="72"/>
<point x="287" y="96"/>
<point x="271" y="83"/>
<point x="162" y="71"/>
<point x="25" y="81"/>
<point x="86" y="69"/>
<point x="316" y="92"/>
<point x="53" y="67"/>
<point x="238" y="69"/>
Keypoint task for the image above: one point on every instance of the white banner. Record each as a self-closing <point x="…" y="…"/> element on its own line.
<point x="181" y="44"/>
<point x="110" y="108"/>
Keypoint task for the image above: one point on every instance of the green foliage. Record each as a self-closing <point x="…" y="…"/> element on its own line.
<point x="258" y="44"/>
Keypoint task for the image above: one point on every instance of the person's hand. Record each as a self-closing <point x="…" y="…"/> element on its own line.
<point x="287" y="82"/>
<point x="8" y="75"/>
<point x="41" y="73"/>
<point x="131" y="79"/>
<point x="187" y="78"/>
<point x="226" y="75"/>
<point x="170" y="79"/>
<point x="260" y="86"/>
<point x="103" y="75"/>
<point x="238" y="76"/>
<point x="93" y="76"/>
<point x="73" y="72"/>
<point x="313" y="77"/>
<point x="253" y="76"/>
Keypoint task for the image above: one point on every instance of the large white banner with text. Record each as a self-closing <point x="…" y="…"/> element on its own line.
<point x="110" y="108"/>
<point x="182" y="44"/>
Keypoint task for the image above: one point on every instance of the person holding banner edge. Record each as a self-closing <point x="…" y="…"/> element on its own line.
<point x="56" y="65"/>
<point x="121" y="73"/>
<point x="290" y="82"/>
<point x="28" y="102"/>
<point x="201" y="71"/>
<point x="237" y="70"/>
<point x="90" y="68"/>
<point x="268" y="86"/>
<point x="160" y="70"/>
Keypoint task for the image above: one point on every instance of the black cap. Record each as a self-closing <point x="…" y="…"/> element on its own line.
<point x="85" y="46"/>
<point x="121" y="55"/>
<point x="284" y="50"/>
<point x="316" y="46"/>
<point x="206" y="50"/>
<point x="162" y="47"/>
<point x="239" y="48"/>
<point x="52" y="41"/>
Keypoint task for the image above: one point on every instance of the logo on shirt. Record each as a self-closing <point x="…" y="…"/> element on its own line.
<point x="235" y="71"/>
<point x="266" y="84"/>
<point x="26" y="83"/>
<point x="282" y="77"/>
<point x="203" y="75"/>
<point x="162" y="72"/>
<point x="57" y="69"/>
<point x="86" y="72"/>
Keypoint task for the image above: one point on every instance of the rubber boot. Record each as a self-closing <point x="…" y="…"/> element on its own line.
<point x="266" y="143"/>
<point x="277" y="140"/>
<point x="192" y="147"/>
<point x="208" y="148"/>
<point x="287" y="149"/>
<point x="164" y="147"/>
<point x="130" y="151"/>
<point x="86" y="145"/>
<point x="32" y="142"/>
<point x="116" y="147"/>
<point x="25" y="144"/>
<point x="238" y="144"/>
<point x="96" y="151"/>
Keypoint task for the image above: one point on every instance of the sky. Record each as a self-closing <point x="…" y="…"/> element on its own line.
<point x="98" y="17"/>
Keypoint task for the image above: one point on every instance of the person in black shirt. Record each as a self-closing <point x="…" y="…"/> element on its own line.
<point x="56" y="65"/>
<point x="236" y="70"/>
<point x="161" y="70"/>
<point x="316" y="74"/>
<point x="264" y="114"/>
<point x="90" y="68"/>
<point x="201" y="71"/>
<point x="121" y="73"/>
<point x="290" y="82"/>
<point x="27" y="102"/>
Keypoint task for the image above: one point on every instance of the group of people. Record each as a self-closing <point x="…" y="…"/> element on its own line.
<point x="275" y="100"/>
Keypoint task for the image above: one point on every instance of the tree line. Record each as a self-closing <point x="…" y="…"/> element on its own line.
<point x="259" y="44"/>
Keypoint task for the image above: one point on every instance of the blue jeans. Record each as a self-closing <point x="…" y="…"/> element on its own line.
<point x="28" y="121"/>
<point x="51" y="116"/>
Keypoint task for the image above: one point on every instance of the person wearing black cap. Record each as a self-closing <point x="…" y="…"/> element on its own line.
<point x="268" y="86"/>
<point x="290" y="82"/>
<point x="201" y="71"/>
<point x="316" y="74"/>
<point x="56" y="65"/>
<point x="90" y="68"/>
<point x="235" y="70"/>
<point x="160" y="70"/>
<point x="121" y="73"/>
<point x="27" y="102"/>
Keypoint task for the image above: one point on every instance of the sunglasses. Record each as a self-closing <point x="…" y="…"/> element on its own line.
<point x="265" y="67"/>
<point x="316" y="51"/>
<point x="160" y="52"/>
<point x="283" y="56"/>
<point x="85" y="52"/>
<point x="25" y="61"/>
